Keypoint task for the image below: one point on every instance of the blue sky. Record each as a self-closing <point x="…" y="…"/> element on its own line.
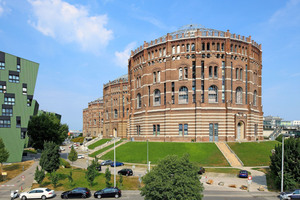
<point x="81" y="45"/>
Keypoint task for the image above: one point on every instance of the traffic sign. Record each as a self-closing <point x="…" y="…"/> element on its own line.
<point x="249" y="178"/>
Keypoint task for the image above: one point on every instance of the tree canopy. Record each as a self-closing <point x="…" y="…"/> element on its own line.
<point x="72" y="155"/>
<point x="4" y="154"/>
<point x="173" y="178"/>
<point x="50" y="157"/>
<point x="291" y="164"/>
<point x="46" y="127"/>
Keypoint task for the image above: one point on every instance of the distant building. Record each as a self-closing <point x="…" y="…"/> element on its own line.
<point x="271" y="122"/>
<point x="17" y="84"/>
<point x="74" y="133"/>
<point x="296" y="123"/>
<point x="93" y="119"/>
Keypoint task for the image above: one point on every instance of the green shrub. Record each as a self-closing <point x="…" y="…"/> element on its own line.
<point x="64" y="163"/>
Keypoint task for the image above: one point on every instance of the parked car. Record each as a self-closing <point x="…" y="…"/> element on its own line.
<point x="117" y="164"/>
<point x="38" y="193"/>
<point x="108" y="192"/>
<point x="201" y="170"/>
<point x="61" y="149"/>
<point x="293" y="194"/>
<point x="80" y="156"/>
<point x="77" y="193"/>
<point x="125" y="172"/>
<point x="106" y="162"/>
<point x="243" y="174"/>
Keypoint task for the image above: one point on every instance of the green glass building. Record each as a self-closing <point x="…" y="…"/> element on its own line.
<point x="17" y="84"/>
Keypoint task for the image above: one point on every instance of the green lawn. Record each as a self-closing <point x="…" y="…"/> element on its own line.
<point x="98" y="143"/>
<point x="204" y="154"/>
<point x="104" y="149"/>
<point x="253" y="153"/>
<point x="129" y="183"/>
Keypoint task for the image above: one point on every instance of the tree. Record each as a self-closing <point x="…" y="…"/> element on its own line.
<point x="72" y="155"/>
<point x="107" y="178"/>
<point x="173" y="178"/>
<point x="39" y="175"/>
<point x="4" y="154"/>
<point x="291" y="164"/>
<point x="70" y="177"/>
<point x="54" y="178"/>
<point x="46" y="127"/>
<point x="50" y="157"/>
<point x="91" y="174"/>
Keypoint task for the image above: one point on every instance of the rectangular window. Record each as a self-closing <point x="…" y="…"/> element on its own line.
<point x="173" y="93"/>
<point x="149" y="95"/>
<point x="18" y="68"/>
<point x="18" y="122"/>
<point x="154" y="77"/>
<point x="185" y="129"/>
<point x="208" y="46"/>
<point x="180" y="129"/>
<point x="5" y="123"/>
<point x="23" y="134"/>
<point x="203" y="46"/>
<point x="164" y="51"/>
<point x="158" y="129"/>
<point x="223" y="81"/>
<point x="188" y="48"/>
<point x="194" y="69"/>
<point x="14" y="78"/>
<point x="173" y="49"/>
<point x="246" y="77"/>
<point x="24" y="90"/>
<point x="165" y="93"/>
<point x="2" y="87"/>
<point x="154" y="129"/>
<point x="193" y="47"/>
<point x="9" y="100"/>
<point x="222" y="47"/>
<point x="160" y="53"/>
<point x="178" y="48"/>
<point x="29" y="101"/>
<point x="2" y="65"/>
<point x="158" y="76"/>
<point x="180" y="74"/>
<point x="218" y="46"/>
<point x="7" y="112"/>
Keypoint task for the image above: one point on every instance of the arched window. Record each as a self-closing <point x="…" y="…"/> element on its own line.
<point x="213" y="94"/>
<point x="210" y="71"/>
<point x="178" y="48"/>
<point x="180" y="73"/>
<point x="156" y="97"/>
<point x="183" y="96"/>
<point x="173" y="49"/>
<point x="138" y="101"/>
<point x="115" y="113"/>
<point x="216" y="72"/>
<point x="188" y="48"/>
<point x="193" y="47"/>
<point x="237" y="74"/>
<point x="241" y="74"/>
<point x="239" y="95"/>
<point x="254" y="97"/>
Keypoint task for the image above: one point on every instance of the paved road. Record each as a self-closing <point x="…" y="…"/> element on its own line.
<point x="208" y="195"/>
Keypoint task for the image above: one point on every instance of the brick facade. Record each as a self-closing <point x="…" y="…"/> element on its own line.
<point x="196" y="84"/>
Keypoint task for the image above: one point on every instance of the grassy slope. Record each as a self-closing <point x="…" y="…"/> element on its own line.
<point x="253" y="153"/>
<point x="104" y="149"/>
<point x="98" y="143"/>
<point x="204" y="154"/>
<point x="129" y="183"/>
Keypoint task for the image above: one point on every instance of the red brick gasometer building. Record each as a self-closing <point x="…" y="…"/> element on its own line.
<point x="196" y="84"/>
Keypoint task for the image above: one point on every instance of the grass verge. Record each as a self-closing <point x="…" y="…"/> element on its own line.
<point x="203" y="154"/>
<point x="129" y="183"/>
<point x="15" y="169"/>
<point x="254" y="153"/>
<point x="98" y="143"/>
<point x="104" y="149"/>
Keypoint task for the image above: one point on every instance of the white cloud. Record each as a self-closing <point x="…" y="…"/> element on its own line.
<point x="71" y="24"/>
<point x="2" y="4"/>
<point x="288" y="15"/>
<point x="123" y="56"/>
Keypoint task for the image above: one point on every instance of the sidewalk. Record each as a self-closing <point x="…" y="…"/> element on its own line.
<point x="21" y="182"/>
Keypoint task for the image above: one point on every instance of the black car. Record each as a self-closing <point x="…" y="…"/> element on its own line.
<point x="125" y="172"/>
<point x="243" y="174"/>
<point x="201" y="170"/>
<point x="108" y="192"/>
<point x="77" y="193"/>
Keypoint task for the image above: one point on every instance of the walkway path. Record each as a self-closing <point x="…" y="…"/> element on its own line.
<point x="230" y="156"/>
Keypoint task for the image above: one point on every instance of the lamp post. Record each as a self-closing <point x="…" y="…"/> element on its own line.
<point x="114" y="161"/>
<point x="147" y="155"/>
<point x="282" y="159"/>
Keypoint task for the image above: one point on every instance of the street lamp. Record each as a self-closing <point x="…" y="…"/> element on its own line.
<point x="282" y="159"/>
<point x="114" y="161"/>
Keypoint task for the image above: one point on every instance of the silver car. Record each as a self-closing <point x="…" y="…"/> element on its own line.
<point x="294" y="194"/>
<point x="38" y="193"/>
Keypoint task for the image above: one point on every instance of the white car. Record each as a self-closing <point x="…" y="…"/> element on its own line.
<point x="79" y="156"/>
<point x="38" y="193"/>
<point x="61" y="149"/>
